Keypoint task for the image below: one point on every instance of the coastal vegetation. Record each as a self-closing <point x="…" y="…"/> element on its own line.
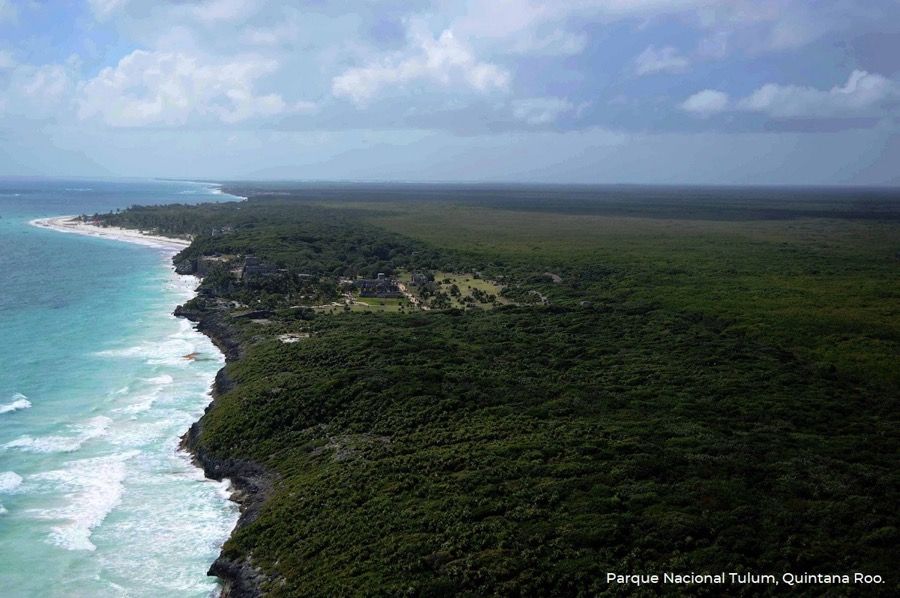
<point x="696" y="381"/>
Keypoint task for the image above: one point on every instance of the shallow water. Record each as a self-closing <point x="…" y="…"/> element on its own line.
<point x="95" y="390"/>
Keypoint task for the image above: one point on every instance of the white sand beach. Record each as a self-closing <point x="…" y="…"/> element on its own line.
<point x="71" y="224"/>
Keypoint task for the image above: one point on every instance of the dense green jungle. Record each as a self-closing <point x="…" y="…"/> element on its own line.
<point x="676" y="379"/>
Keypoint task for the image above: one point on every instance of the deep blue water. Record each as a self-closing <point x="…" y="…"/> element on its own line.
<point x="95" y="389"/>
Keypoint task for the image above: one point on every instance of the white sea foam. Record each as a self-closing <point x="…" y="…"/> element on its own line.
<point x="144" y="433"/>
<point x="185" y="289"/>
<point x="128" y="495"/>
<point x="9" y="482"/>
<point x="93" y="488"/>
<point x="202" y="517"/>
<point x="19" y="401"/>
<point x="185" y="331"/>
<point x="170" y="352"/>
<point x="143" y="403"/>
<point x="224" y="488"/>
<point x="92" y="428"/>
<point x="175" y="353"/>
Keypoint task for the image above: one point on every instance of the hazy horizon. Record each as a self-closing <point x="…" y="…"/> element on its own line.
<point x="225" y="182"/>
<point x="656" y="92"/>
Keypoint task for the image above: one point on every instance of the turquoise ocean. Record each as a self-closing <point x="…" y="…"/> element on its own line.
<point x="95" y="390"/>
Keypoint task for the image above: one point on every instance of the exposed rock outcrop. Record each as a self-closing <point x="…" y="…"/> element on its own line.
<point x="251" y="483"/>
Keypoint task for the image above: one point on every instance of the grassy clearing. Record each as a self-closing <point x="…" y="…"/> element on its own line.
<point x="366" y="304"/>
<point x="375" y="304"/>
<point x="465" y="290"/>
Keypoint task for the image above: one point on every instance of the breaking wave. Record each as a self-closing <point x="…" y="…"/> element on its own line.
<point x="92" y="428"/>
<point x="9" y="482"/>
<point x="19" y="401"/>
<point x="94" y="487"/>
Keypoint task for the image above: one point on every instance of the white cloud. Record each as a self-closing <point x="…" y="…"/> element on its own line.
<point x="757" y="26"/>
<point x="662" y="60"/>
<point x="443" y="60"/>
<point x="541" y="111"/>
<point x="42" y="91"/>
<point x="752" y="25"/>
<point x="861" y="93"/>
<point x="540" y="26"/>
<point x="48" y="82"/>
<point x="706" y="102"/>
<point x="159" y="88"/>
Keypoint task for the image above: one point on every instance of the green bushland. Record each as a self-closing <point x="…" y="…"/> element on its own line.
<point x="827" y="288"/>
<point x="530" y="450"/>
<point x="712" y="387"/>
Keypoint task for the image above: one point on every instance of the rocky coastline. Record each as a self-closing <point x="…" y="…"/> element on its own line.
<point x="251" y="483"/>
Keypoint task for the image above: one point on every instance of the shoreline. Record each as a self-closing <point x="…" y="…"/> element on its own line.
<point x="71" y="225"/>
<point x="248" y="484"/>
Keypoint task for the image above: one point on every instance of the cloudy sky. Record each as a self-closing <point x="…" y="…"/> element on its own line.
<point x="605" y="91"/>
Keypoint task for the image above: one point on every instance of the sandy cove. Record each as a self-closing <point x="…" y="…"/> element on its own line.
<point x="71" y="224"/>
